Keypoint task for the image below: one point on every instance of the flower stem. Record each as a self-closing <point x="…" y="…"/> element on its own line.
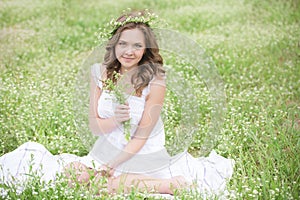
<point x="121" y="99"/>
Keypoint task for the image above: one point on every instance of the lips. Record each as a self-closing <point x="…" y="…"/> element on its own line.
<point x="126" y="59"/>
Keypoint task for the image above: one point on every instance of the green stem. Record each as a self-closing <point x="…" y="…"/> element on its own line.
<point x="127" y="128"/>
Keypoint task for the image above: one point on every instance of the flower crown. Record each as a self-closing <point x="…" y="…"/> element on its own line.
<point x="145" y="17"/>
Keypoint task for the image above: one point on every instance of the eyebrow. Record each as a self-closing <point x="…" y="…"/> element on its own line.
<point x="120" y="40"/>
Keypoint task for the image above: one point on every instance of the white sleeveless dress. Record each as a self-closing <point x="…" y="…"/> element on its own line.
<point x="210" y="174"/>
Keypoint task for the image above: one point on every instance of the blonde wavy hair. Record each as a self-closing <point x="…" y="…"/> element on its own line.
<point x="151" y="64"/>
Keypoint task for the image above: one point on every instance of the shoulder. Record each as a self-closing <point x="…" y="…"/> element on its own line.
<point x="98" y="70"/>
<point x="98" y="73"/>
<point x="156" y="89"/>
<point x="158" y="81"/>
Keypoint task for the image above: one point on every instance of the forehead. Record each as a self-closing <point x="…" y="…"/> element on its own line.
<point x="133" y="36"/>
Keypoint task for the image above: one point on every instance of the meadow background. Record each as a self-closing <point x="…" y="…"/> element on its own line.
<point x="254" y="44"/>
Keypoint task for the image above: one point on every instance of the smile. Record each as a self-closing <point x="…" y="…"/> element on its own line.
<point x="127" y="59"/>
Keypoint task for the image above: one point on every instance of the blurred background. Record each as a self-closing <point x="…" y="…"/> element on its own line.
<point x="255" y="46"/>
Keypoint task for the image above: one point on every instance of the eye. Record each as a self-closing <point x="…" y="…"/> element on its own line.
<point x="138" y="46"/>
<point x="122" y="44"/>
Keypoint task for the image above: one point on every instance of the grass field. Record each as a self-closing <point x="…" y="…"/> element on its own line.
<point x="254" y="44"/>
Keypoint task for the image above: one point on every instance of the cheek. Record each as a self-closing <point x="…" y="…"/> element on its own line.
<point x="140" y="53"/>
<point x="117" y="52"/>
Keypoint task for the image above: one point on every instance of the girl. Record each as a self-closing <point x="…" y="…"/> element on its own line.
<point x="133" y="53"/>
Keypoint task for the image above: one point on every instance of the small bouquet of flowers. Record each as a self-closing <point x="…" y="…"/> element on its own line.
<point x="120" y="97"/>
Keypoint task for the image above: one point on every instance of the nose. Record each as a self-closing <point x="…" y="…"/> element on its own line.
<point x="129" y="50"/>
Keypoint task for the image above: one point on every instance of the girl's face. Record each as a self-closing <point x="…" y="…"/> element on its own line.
<point x="130" y="48"/>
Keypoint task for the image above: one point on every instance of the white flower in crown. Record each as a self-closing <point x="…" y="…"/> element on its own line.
<point x="145" y="17"/>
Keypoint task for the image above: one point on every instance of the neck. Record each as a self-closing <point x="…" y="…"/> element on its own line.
<point x="127" y="72"/>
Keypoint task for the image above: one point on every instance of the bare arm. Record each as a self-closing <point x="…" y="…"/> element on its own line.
<point x="151" y="114"/>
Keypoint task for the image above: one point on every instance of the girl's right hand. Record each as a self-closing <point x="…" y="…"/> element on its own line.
<point x="122" y="113"/>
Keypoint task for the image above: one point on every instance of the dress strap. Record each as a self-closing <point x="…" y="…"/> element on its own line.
<point x="96" y="74"/>
<point x="147" y="89"/>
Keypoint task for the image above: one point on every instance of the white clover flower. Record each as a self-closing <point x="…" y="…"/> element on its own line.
<point x="148" y="18"/>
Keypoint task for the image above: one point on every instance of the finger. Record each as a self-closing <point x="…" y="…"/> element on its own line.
<point x="122" y="113"/>
<point x="103" y="173"/>
<point x="122" y="106"/>
<point x="111" y="173"/>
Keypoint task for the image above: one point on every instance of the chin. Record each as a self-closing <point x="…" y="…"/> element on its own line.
<point x="128" y="66"/>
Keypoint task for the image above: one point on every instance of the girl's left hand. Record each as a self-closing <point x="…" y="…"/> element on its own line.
<point x="106" y="170"/>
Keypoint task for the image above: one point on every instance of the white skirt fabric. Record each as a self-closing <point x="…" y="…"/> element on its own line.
<point x="210" y="174"/>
